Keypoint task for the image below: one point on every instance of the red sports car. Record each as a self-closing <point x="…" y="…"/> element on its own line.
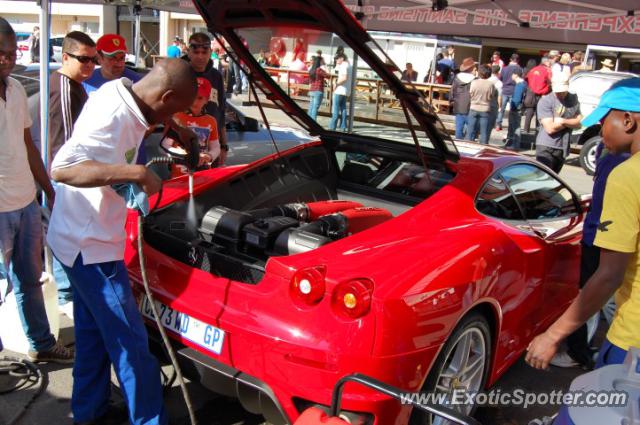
<point x="386" y="250"/>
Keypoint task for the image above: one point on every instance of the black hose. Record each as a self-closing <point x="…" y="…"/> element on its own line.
<point x="25" y="371"/>
<point x="159" y="160"/>
<point x="163" y="334"/>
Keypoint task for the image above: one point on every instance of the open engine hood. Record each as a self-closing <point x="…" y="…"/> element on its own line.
<point x="223" y="17"/>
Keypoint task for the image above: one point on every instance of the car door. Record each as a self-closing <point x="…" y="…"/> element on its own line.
<point x="519" y="254"/>
<point x="555" y="218"/>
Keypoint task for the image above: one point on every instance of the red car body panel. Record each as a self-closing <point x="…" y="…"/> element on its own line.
<point x="425" y="281"/>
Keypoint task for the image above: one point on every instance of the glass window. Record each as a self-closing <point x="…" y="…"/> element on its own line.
<point x="390" y="175"/>
<point x="363" y="102"/>
<point x="540" y="195"/>
<point x="496" y="200"/>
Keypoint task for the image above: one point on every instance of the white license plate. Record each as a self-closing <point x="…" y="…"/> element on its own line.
<point x="200" y="333"/>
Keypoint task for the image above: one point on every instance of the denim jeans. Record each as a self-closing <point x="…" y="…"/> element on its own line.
<point x="21" y="265"/>
<point x="339" y="112"/>
<point x="461" y="122"/>
<point x="506" y="99"/>
<point x="315" y="100"/>
<point x="478" y="118"/>
<point x="109" y="332"/>
<point x="514" y="131"/>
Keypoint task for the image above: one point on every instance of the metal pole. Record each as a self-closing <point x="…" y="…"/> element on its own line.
<point x="136" y="10"/>
<point x="45" y="30"/>
<point x="354" y="76"/>
<point x="44" y="22"/>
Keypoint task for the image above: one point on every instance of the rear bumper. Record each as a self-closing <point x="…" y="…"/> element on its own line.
<point x="254" y="395"/>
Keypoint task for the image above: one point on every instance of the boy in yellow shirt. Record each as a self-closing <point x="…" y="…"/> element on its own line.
<point x="618" y="236"/>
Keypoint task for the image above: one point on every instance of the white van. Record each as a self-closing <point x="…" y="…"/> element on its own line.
<point x="589" y="86"/>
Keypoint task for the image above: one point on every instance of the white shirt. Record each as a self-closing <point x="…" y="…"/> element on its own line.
<point x="17" y="187"/>
<point x="91" y="221"/>
<point x="345" y="88"/>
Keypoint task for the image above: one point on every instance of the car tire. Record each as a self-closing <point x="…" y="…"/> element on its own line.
<point x="474" y="333"/>
<point x="588" y="155"/>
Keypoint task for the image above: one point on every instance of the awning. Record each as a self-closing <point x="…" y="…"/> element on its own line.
<point x="614" y="22"/>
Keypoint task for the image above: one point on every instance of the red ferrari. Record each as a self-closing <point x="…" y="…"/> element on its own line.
<point x="386" y="250"/>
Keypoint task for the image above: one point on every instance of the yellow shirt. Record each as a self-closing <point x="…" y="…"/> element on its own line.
<point x="619" y="230"/>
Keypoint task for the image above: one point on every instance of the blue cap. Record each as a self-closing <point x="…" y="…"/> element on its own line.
<point x="624" y="95"/>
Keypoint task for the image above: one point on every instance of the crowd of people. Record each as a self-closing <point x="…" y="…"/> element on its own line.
<point x="481" y="95"/>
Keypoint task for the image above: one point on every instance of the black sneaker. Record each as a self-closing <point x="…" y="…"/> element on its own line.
<point x="56" y="354"/>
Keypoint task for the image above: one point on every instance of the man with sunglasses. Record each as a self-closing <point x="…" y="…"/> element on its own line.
<point x="112" y="53"/>
<point x="199" y="57"/>
<point x="67" y="97"/>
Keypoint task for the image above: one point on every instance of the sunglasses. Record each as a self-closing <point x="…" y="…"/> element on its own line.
<point x="194" y="46"/>
<point x="84" y="59"/>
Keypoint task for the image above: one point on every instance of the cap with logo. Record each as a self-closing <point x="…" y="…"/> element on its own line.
<point x="623" y="96"/>
<point x="110" y="44"/>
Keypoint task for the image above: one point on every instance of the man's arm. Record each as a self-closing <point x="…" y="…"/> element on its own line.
<point x="572" y="122"/>
<point x="598" y="289"/>
<point x="222" y="135"/>
<point x="552" y="125"/>
<point x="37" y="167"/>
<point x="95" y="174"/>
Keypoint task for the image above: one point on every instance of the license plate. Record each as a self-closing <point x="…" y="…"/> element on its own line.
<point x="200" y="333"/>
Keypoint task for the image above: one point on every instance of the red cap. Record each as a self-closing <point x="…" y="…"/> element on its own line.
<point x="110" y="44"/>
<point x="204" y="87"/>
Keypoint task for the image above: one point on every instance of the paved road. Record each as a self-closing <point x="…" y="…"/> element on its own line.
<point x="53" y="406"/>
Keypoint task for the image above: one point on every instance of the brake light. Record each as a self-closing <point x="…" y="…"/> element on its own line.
<point x="352" y="299"/>
<point x="308" y="285"/>
<point x="23" y="47"/>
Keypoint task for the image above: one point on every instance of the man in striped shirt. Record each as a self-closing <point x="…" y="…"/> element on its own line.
<point x="67" y="97"/>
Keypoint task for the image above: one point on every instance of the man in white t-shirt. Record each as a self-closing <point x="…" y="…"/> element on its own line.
<point x="340" y="93"/>
<point x="20" y="222"/>
<point x="87" y="235"/>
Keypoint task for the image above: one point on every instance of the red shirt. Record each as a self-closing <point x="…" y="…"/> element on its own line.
<point x="539" y="79"/>
<point x="318" y="83"/>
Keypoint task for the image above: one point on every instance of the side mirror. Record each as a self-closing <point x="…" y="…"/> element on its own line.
<point x="250" y="124"/>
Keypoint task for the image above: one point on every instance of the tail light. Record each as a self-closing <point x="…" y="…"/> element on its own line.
<point x="352" y="299"/>
<point x="308" y="285"/>
<point x="23" y="47"/>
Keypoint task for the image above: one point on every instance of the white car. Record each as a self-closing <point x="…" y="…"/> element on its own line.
<point x="589" y="86"/>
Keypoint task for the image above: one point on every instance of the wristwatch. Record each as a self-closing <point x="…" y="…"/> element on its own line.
<point x="224" y="147"/>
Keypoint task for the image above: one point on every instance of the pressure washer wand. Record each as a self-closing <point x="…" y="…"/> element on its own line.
<point x="189" y="142"/>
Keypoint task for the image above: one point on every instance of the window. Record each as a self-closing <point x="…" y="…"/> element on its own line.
<point x="374" y="111"/>
<point x="539" y="194"/>
<point x="496" y="200"/>
<point x="390" y="175"/>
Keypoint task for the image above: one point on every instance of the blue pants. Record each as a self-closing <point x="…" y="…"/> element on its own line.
<point x="65" y="292"/>
<point x="339" y="112"/>
<point x="315" y="98"/>
<point x="21" y="266"/>
<point x="506" y="99"/>
<point x="478" y="119"/>
<point x="610" y="354"/>
<point x="109" y="331"/>
<point x="461" y="122"/>
<point x="514" y="133"/>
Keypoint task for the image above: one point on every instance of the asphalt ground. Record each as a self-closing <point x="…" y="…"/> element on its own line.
<point x="53" y="406"/>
